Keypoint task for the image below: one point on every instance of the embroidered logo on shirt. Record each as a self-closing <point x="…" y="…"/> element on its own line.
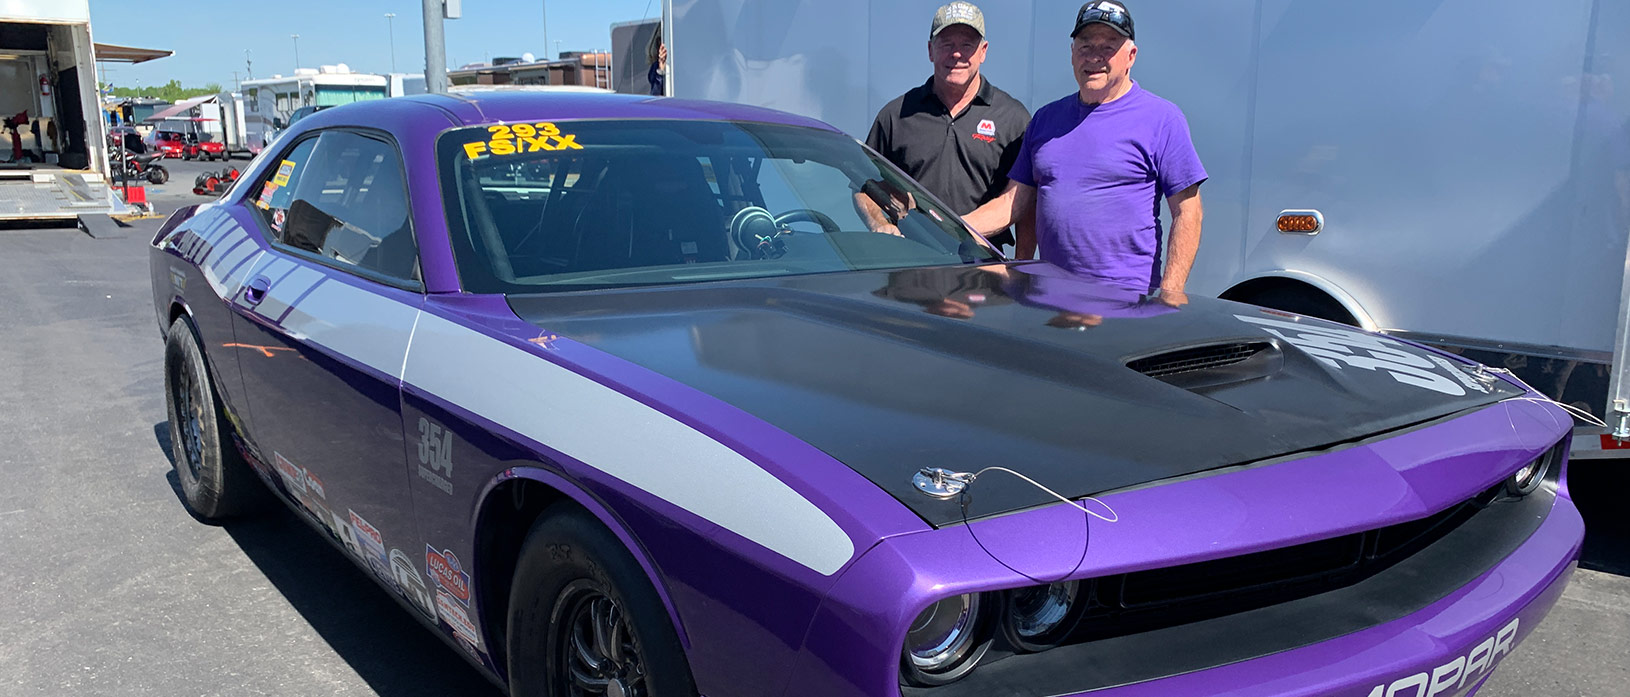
<point x="986" y="131"/>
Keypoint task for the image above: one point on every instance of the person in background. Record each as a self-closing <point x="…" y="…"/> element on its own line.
<point x="657" y="54"/>
<point x="1096" y="163"/>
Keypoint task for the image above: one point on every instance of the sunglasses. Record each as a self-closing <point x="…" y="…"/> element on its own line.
<point x="1114" y="17"/>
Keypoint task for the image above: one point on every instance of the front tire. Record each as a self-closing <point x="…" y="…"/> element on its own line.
<point x="584" y="620"/>
<point x="216" y="482"/>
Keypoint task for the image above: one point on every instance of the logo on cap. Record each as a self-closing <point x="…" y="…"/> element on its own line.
<point x="957" y="13"/>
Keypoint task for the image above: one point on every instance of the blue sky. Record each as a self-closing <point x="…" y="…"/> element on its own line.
<point x="209" y="38"/>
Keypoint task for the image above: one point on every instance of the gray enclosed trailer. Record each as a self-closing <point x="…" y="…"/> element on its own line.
<point x="1470" y="158"/>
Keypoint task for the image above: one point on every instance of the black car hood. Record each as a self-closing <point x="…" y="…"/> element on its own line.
<point x="1017" y="365"/>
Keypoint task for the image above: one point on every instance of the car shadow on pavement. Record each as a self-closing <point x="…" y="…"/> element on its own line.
<point x="394" y="654"/>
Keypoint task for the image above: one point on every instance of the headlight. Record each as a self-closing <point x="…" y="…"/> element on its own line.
<point x="1528" y="479"/>
<point x="945" y="642"/>
<point x="1039" y="617"/>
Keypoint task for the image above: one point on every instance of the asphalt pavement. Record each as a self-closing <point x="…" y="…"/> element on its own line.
<point x="109" y="587"/>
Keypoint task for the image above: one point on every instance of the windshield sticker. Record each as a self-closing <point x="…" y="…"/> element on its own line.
<point x="279" y="217"/>
<point x="284" y="171"/>
<point x="522" y="138"/>
<point x="1335" y="347"/>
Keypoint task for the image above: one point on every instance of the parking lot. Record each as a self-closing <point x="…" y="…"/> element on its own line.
<point x="111" y="588"/>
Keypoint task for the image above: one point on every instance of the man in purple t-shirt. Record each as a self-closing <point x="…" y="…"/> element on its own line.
<point x="1095" y="164"/>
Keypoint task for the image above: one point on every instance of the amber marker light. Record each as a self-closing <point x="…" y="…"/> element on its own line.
<point x="1301" y="222"/>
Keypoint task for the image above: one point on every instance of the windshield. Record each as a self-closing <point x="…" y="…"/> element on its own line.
<point x="587" y="204"/>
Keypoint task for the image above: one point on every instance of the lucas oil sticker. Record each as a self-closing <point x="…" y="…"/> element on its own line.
<point x="448" y="574"/>
<point x="522" y="138"/>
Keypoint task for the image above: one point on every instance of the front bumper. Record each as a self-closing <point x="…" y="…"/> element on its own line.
<point x="1447" y="647"/>
<point x="1424" y="647"/>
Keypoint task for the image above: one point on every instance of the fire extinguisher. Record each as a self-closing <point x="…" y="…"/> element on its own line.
<point x="45" y="86"/>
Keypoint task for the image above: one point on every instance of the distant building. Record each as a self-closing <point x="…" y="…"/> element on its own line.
<point x="584" y="68"/>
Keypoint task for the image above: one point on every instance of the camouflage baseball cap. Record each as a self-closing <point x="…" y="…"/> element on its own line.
<point x="957" y="13"/>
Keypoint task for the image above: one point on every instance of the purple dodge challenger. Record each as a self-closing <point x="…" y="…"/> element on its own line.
<point x="628" y="396"/>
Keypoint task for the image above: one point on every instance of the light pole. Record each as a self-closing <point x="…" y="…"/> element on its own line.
<point x="390" y="29"/>
<point x="545" y="4"/>
<point x="296" y="38"/>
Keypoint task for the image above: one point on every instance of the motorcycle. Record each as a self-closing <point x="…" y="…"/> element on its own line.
<point x="137" y="167"/>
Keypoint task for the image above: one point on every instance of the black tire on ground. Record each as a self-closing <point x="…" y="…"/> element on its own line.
<point x="158" y="175"/>
<point x="573" y="573"/>
<point x="215" y="480"/>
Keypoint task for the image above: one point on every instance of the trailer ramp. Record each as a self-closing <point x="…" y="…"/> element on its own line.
<point x="56" y="195"/>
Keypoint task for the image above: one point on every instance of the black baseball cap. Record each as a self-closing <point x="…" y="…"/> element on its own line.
<point x="1110" y="12"/>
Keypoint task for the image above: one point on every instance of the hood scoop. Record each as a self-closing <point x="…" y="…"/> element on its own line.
<point x="1211" y="365"/>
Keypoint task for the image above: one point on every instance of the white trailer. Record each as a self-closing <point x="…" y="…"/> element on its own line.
<point x="48" y="83"/>
<point x="272" y="101"/>
<point x="1470" y="158"/>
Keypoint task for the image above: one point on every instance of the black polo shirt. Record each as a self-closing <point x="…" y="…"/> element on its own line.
<point x="962" y="159"/>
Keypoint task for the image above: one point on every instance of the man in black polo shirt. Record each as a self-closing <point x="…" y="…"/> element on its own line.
<point x="957" y="134"/>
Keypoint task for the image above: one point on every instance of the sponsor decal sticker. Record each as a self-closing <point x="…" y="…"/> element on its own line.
<point x="279" y="217"/>
<point x="522" y="138"/>
<point x="412" y="584"/>
<point x="178" y="280"/>
<point x="1449" y="678"/>
<point x="284" y="170"/>
<point x="294" y="476"/>
<point x="436" y="455"/>
<point x="456" y="618"/>
<point x="372" y="544"/>
<point x="1345" y="348"/>
<point x="315" y="485"/>
<point x="265" y="201"/>
<point x="347" y="534"/>
<point x="448" y="574"/>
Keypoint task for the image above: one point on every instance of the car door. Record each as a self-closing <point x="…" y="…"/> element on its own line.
<point x="325" y="319"/>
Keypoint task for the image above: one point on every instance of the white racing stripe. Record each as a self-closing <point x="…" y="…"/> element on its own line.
<point x="364" y="327"/>
<point x="624" y="438"/>
<point x="579" y="417"/>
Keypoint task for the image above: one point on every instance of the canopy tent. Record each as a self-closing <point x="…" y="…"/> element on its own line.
<point x="110" y="53"/>
<point x="177" y="109"/>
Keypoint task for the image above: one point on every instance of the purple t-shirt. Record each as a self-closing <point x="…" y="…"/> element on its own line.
<point x="1099" y="173"/>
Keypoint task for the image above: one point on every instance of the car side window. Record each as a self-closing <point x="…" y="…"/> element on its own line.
<point x="342" y="196"/>
<point x="272" y="195"/>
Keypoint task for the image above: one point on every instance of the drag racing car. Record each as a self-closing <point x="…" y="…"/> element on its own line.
<point x="626" y="396"/>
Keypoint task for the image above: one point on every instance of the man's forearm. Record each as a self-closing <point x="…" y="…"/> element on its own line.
<point x="1002" y="211"/>
<point x="1187" y="214"/>
<point x="1024" y="236"/>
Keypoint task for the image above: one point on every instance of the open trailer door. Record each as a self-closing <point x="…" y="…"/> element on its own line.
<point x="57" y="165"/>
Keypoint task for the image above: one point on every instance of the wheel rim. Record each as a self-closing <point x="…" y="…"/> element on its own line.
<point x="189" y="403"/>
<point x="597" y="652"/>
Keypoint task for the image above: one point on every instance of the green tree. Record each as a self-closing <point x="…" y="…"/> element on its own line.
<point x="169" y="92"/>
